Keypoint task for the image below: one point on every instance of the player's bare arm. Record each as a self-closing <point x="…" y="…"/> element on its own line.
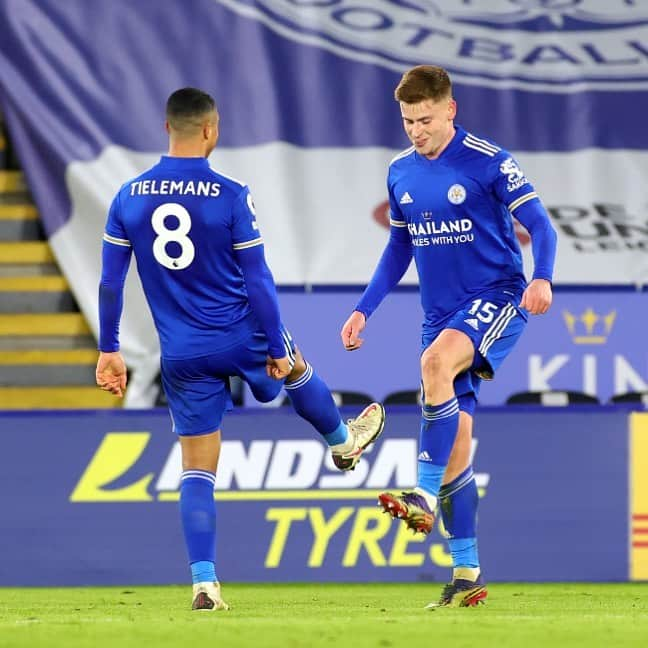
<point x="351" y="331"/>
<point x="537" y="297"/>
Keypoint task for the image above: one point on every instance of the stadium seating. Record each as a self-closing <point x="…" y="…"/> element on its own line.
<point x="555" y="398"/>
<point x="47" y="351"/>
<point x="631" y="398"/>
<point x="405" y="397"/>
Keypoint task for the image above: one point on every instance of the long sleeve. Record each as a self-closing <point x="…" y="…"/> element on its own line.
<point x="534" y="217"/>
<point x="115" y="262"/>
<point x="262" y="295"/>
<point x="392" y="266"/>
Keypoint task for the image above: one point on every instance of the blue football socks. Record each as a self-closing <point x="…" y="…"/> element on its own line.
<point x="439" y="425"/>
<point x="198" y="512"/>
<point x="312" y="400"/>
<point x="458" y="502"/>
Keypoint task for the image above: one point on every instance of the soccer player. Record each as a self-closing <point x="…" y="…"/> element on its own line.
<point x="201" y="261"/>
<point x="452" y="196"/>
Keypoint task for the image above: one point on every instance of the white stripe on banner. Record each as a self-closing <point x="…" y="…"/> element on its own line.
<point x="497" y="328"/>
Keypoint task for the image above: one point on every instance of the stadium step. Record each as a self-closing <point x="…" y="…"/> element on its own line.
<point x="19" y="252"/>
<point x="35" y="294"/>
<point x="39" y="367"/>
<point x="47" y="324"/>
<point x="12" y="181"/>
<point x="60" y="397"/>
<point x="47" y="350"/>
<point x="19" y="221"/>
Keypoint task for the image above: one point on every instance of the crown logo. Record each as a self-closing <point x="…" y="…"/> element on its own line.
<point x="589" y="327"/>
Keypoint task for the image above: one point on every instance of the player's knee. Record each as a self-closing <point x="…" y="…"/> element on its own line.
<point x="434" y="368"/>
<point x="299" y="368"/>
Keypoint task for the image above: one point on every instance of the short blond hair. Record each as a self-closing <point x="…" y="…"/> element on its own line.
<point x="423" y="82"/>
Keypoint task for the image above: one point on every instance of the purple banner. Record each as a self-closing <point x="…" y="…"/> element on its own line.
<point x="71" y="71"/>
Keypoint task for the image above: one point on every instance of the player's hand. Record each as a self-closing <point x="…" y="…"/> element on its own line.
<point x="537" y="297"/>
<point x="351" y="331"/>
<point x="278" y="368"/>
<point x="111" y="373"/>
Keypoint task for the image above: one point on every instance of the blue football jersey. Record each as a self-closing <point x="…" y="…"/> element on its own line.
<point x="455" y="212"/>
<point x="184" y="222"/>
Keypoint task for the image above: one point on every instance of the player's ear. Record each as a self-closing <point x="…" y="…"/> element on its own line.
<point x="167" y="128"/>
<point x="208" y="130"/>
<point x="452" y="108"/>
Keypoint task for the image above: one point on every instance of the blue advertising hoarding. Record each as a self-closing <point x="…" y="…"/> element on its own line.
<point x="588" y="341"/>
<point x="91" y="498"/>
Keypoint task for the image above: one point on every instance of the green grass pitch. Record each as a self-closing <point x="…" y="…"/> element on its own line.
<point x="335" y="616"/>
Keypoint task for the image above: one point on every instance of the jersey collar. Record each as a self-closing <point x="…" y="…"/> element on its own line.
<point x="173" y="162"/>
<point x="460" y="133"/>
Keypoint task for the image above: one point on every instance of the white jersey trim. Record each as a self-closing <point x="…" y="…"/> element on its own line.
<point x="521" y="200"/>
<point x="397" y="223"/>
<point x="236" y="180"/>
<point x="116" y="241"/>
<point x="497" y="328"/>
<point x="402" y="154"/>
<point x="479" y="147"/>
<point x="248" y="244"/>
<point x="482" y="142"/>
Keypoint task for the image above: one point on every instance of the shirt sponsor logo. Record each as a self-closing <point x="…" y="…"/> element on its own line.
<point x="552" y="45"/>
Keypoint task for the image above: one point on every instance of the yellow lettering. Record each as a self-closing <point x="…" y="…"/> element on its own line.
<point x="323" y="530"/>
<point x="284" y="517"/>
<point x="117" y="453"/>
<point x="362" y="535"/>
<point x="399" y="556"/>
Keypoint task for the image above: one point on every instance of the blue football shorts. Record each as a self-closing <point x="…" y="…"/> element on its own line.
<point x="197" y="389"/>
<point x="493" y="321"/>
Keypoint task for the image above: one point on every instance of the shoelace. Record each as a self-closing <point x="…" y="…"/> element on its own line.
<point x="359" y="426"/>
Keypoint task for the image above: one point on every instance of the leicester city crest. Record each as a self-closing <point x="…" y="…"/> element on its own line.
<point x="457" y="194"/>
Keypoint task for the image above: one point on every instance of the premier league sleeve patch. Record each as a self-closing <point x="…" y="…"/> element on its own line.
<point x="515" y="175"/>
